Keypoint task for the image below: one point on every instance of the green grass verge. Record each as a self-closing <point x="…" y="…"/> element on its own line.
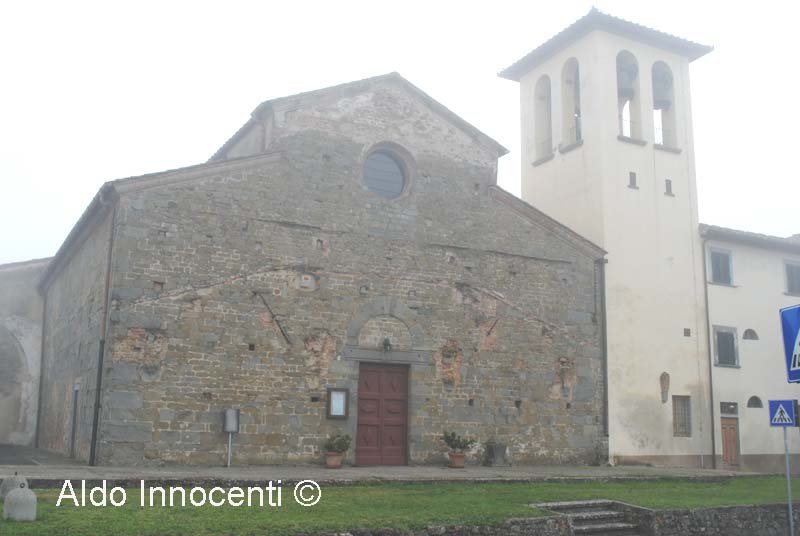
<point x="386" y="505"/>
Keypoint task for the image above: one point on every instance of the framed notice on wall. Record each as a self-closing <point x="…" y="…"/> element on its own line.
<point x="338" y="403"/>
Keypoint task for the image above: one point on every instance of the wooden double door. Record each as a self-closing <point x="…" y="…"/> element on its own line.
<point x="382" y="426"/>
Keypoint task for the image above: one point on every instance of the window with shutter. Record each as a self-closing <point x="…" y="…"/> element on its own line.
<point x="793" y="279"/>
<point x="725" y="346"/>
<point x="721" y="267"/>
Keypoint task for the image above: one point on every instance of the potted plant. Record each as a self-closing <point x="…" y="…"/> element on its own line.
<point x="457" y="446"/>
<point x="335" y="448"/>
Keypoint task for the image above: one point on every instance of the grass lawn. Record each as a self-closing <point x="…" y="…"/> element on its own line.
<point x="384" y="505"/>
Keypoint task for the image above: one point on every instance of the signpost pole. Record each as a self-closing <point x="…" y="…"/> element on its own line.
<point x="788" y="483"/>
<point x="230" y="440"/>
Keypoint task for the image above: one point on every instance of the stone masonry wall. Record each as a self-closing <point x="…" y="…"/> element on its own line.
<point x="261" y="285"/>
<point x="73" y="314"/>
<point x="20" y="350"/>
<point x="745" y="520"/>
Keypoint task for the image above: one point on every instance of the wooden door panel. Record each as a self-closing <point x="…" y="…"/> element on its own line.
<point x="369" y="381"/>
<point x="730" y="440"/>
<point x="382" y="430"/>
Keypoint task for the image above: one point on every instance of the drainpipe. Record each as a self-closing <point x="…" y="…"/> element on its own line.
<point x="103" y="328"/>
<point x="41" y="374"/>
<point x="710" y="359"/>
<point x="601" y="265"/>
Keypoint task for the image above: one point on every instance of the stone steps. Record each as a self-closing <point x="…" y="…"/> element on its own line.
<point x="594" y="518"/>
<point x="608" y="529"/>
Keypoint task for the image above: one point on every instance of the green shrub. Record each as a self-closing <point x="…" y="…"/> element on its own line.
<point x="338" y="443"/>
<point x="456" y="443"/>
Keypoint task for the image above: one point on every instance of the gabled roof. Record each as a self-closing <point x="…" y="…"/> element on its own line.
<point x="790" y="244"/>
<point x="597" y="20"/>
<point x="257" y="114"/>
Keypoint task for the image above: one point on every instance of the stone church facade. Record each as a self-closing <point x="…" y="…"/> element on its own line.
<point x="276" y="272"/>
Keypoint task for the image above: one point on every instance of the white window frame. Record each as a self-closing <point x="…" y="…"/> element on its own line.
<point x="729" y="253"/>
<point x="725" y="329"/>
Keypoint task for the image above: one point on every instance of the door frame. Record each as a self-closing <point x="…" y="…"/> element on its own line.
<point x="735" y="419"/>
<point x="407" y="367"/>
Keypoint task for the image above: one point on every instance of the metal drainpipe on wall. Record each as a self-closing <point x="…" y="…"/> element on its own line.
<point x="41" y="373"/>
<point x="601" y="264"/>
<point x="710" y="359"/>
<point x="103" y="332"/>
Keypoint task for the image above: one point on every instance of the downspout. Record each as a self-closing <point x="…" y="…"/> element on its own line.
<point x="601" y="265"/>
<point x="41" y="373"/>
<point x="710" y="359"/>
<point x="103" y="327"/>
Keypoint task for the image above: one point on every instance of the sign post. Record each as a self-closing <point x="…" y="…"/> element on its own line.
<point x="790" y="323"/>
<point x="782" y="415"/>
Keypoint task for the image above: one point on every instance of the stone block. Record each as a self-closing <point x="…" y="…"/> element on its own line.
<point x="128" y="432"/>
<point x="124" y="400"/>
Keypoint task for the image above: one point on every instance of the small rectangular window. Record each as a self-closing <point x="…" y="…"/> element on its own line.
<point x="668" y="187"/>
<point x="681" y="416"/>
<point x="338" y="404"/>
<point x="721" y="267"/>
<point x="725" y="349"/>
<point x="729" y="408"/>
<point x="632" y="180"/>
<point x="793" y="279"/>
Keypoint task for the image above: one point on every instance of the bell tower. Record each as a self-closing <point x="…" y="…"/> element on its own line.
<point x="607" y="150"/>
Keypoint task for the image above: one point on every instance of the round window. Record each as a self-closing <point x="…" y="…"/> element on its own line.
<point x="384" y="174"/>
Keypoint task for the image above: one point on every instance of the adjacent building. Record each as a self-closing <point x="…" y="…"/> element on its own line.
<point x="20" y="350"/>
<point x="750" y="277"/>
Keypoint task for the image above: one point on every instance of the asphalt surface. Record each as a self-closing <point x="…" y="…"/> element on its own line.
<point x="45" y="469"/>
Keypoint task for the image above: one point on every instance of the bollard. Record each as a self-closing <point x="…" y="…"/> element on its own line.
<point x="231" y="425"/>
<point x="20" y="504"/>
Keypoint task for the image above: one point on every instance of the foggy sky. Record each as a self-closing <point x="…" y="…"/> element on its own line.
<point x="96" y="91"/>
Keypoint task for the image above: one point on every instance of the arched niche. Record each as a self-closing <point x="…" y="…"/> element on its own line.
<point x="386" y="319"/>
<point x="664" y="124"/>
<point x="628" y="96"/>
<point x="570" y="102"/>
<point x="543" y="119"/>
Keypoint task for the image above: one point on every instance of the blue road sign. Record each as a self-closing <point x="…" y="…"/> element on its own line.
<point x="781" y="413"/>
<point x="790" y="321"/>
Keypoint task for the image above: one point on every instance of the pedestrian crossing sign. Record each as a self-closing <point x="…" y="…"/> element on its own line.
<point x="781" y="413"/>
<point x="790" y="322"/>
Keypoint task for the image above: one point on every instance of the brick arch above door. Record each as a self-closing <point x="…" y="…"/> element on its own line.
<point x="387" y="306"/>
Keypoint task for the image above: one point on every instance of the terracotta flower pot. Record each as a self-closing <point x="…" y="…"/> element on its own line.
<point x="457" y="460"/>
<point x="333" y="460"/>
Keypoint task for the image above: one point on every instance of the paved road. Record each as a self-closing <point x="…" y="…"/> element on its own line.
<point x="14" y="455"/>
<point x="48" y="470"/>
